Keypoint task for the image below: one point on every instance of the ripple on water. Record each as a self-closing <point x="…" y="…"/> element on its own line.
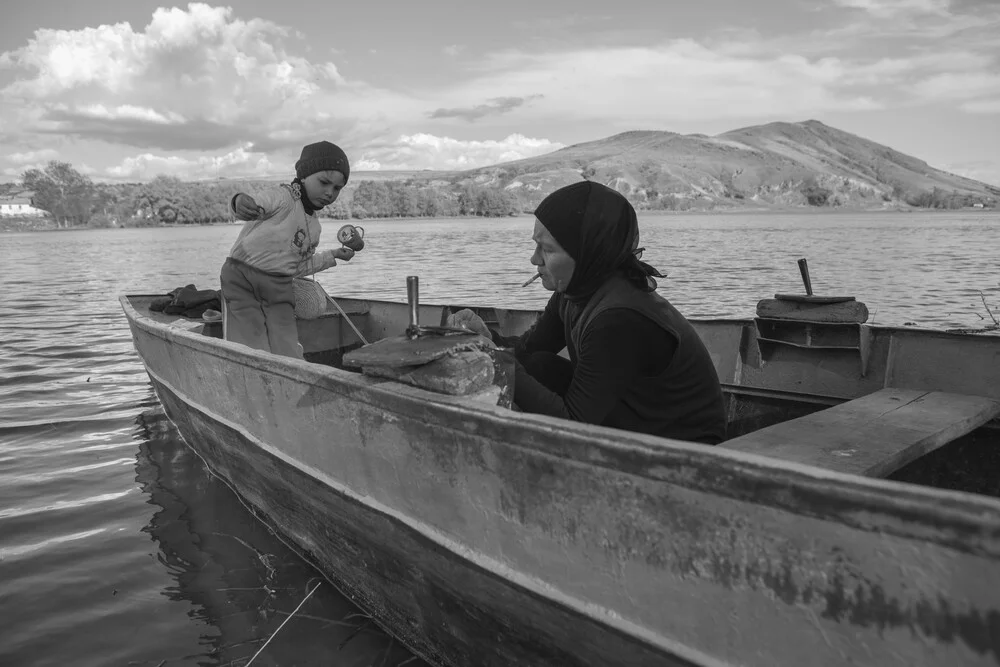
<point x="119" y="547"/>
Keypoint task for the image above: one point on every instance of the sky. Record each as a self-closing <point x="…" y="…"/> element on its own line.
<point x="125" y="90"/>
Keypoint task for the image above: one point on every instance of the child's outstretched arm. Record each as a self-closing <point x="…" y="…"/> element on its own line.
<point x="261" y="207"/>
<point x="245" y="207"/>
<point x="323" y="260"/>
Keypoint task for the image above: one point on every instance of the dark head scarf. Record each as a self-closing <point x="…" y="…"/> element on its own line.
<point x="597" y="226"/>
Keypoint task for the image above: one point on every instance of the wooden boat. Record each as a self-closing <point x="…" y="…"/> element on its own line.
<point x="851" y="518"/>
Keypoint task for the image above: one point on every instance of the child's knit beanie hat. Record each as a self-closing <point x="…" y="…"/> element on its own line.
<point x="322" y="156"/>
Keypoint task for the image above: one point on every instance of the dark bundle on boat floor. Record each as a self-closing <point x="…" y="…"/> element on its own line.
<point x="188" y="301"/>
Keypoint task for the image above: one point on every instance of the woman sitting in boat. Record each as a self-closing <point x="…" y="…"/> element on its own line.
<point x="635" y="363"/>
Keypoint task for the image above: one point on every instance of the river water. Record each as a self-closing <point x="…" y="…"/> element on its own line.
<point x="117" y="547"/>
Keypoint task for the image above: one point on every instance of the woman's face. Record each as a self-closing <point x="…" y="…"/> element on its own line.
<point x="323" y="187"/>
<point x="554" y="264"/>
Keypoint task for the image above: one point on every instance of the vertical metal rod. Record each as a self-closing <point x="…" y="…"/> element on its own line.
<point x="804" y="270"/>
<point x="413" y="298"/>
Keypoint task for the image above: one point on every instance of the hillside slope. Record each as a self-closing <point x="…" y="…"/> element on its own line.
<point x="783" y="164"/>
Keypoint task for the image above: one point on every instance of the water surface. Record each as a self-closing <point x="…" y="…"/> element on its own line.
<point x="117" y="547"/>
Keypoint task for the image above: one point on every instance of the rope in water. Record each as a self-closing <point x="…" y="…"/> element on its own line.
<point x="261" y="649"/>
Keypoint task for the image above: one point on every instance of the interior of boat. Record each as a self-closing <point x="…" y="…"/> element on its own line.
<point x="909" y="405"/>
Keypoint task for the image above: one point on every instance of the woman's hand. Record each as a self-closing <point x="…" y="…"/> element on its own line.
<point x="466" y="319"/>
<point x="343" y="253"/>
<point x="246" y="208"/>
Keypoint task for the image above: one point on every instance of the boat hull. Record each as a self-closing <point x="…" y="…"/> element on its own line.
<point x="437" y="603"/>
<point x="479" y="536"/>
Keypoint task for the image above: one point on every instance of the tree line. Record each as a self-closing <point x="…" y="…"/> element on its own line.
<point x="74" y="200"/>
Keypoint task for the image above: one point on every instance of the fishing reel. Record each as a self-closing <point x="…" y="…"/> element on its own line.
<point x="351" y="237"/>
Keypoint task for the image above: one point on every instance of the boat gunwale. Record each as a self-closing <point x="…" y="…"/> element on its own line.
<point x="961" y="520"/>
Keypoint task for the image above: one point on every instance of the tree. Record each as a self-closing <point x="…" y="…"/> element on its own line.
<point x="62" y="191"/>
<point x="814" y="193"/>
<point x="467" y="200"/>
<point x="649" y="177"/>
<point x="168" y="200"/>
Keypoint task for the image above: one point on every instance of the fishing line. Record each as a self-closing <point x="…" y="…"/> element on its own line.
<point x="261" y="649"/>
<point x="347" y="318"/>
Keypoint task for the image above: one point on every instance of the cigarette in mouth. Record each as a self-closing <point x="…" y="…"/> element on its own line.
<point x="533" y="279"/>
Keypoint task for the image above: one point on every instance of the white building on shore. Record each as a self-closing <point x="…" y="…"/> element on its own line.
<point x="19" y="206"/>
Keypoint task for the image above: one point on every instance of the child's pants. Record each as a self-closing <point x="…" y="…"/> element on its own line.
<point x="259" y="309"/>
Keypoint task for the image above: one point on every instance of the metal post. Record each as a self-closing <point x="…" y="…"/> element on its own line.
<point x="804" y="270"/>
<point x="413" y="298"/>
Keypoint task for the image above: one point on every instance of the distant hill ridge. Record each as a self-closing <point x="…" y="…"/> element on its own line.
<point x="776" y="165"/>
<point x="766" y="165"/>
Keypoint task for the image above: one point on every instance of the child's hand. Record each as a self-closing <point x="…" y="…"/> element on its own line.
<point x="343" y="253"/>
<point x="246" y="208"/>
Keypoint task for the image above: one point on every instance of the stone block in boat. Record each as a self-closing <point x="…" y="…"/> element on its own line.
<point x="461" y="373"/>
<point x="456" y="365"/>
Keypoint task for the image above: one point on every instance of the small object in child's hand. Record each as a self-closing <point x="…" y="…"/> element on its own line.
<point x="351" y="236"/>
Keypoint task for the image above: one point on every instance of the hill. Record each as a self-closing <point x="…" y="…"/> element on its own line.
<point x="778" y="164"/>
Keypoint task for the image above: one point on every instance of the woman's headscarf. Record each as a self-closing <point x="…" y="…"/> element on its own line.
<point x="597" y="226"/>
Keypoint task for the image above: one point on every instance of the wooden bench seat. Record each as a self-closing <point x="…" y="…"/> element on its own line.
<point x="873" y="435"/>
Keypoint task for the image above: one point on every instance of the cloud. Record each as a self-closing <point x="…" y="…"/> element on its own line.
<point x="958" y="86"/>
<point x="37" y="157"/>
<point x="426" y="151"/>
<point x="654" y="85"/>
<point x="243" y="162"/>
<point x="895" y="8"/>
<point x="495" y="106"/>
<point x="200" y="82"/>
<point x="985" y="171"/>
<point x="944" y="51"/>
<point x="189" y="76"/>
<point x="982" y="106"/>
<point x="199" y="134"/>
<point x="406" y="152"/>
<point x="890" y="54"/>
<point x="129" y="112"/>
<point x="40" y="163"/>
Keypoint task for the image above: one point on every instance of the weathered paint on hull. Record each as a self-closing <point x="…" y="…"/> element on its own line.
<point x="434" y="601"/>
<point x="623" y="549"/>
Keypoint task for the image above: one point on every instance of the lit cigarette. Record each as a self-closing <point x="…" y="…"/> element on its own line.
<point x="533" y="279"/>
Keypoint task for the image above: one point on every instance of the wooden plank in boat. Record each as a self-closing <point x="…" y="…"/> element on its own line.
<point x="872" y="435"/>
<point x="811" y="298"/>
<point x="813" y="308"/>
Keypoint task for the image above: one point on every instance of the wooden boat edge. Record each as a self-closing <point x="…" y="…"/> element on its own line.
<point x="766" y="480"/>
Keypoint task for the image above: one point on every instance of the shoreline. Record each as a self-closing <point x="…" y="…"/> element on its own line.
<point x="755" y="211"/>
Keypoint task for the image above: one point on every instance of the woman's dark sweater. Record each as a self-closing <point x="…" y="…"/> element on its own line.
<point x="637" y="365"/>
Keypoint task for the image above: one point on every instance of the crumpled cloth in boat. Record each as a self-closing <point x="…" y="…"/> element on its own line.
<point x="188" y="301"/>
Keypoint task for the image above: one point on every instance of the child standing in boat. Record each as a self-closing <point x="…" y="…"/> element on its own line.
<point x="277" y="244"/>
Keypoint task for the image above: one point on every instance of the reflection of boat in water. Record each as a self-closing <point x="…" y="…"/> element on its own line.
<point x="485" y="536"/>
<point x="240" y="579"/>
